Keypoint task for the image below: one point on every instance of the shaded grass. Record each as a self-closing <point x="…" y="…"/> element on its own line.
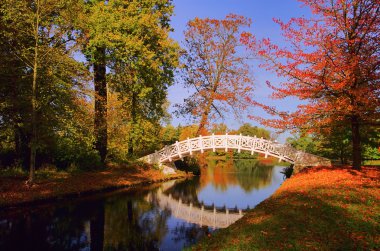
<point x="318" y="209"/>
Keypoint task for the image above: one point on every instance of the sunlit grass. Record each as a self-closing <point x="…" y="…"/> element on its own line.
<point x="372" y="162"/>
<point x="321" y="209"/>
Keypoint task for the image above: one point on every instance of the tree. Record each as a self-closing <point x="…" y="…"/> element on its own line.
<point x="143" y="69"/>
<point x="336" y="144"/>
<point x="215" y="69"/>
<point x="219" y="128"/>
<point x="331" y="61"/>
<point x="249" y="130"/>
<point x="306" y="143"/>
<point x="97" y="27"/>
<point x="131" y="38"/>
<point x="37" y="41"/>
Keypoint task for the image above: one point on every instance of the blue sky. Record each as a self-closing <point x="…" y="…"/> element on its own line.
<point x="261" y="12"/>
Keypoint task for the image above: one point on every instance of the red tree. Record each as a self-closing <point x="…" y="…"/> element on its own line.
<point x="215" y="69"/>
<point x="333" y="61"/>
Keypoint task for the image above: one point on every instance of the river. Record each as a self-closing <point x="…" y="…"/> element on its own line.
<point x="167" y="216"/>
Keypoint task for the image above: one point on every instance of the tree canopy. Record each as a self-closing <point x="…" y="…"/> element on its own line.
<point x="215" y="68"/>
<point x="48" y="92"/>
<point x="331" y="61"/>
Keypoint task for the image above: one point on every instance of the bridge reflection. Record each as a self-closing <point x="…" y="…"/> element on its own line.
<point x="194" y="213"/>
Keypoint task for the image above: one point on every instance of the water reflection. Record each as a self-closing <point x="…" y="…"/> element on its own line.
<point x="164" y="217"/>
<point x="248" y="174"/>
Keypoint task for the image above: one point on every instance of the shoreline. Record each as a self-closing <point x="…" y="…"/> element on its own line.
<point x="15" y="194"/>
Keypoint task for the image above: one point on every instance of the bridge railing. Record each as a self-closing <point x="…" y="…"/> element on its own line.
<point x="226" y="142"/>
<point x="239" y="143"/>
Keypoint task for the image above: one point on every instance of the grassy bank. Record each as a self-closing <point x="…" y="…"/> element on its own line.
<point x="318" y="209"/>
<point x="52" y="185"/>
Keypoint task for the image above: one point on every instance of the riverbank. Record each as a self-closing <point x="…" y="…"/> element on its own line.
<point x="51" y="186"/>
<point x="324" y="208"/>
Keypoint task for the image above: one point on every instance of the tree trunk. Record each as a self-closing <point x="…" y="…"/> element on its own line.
<point x="133" y="122"/>
<point x="100" y="125"/>
<point x="356" y="143"/>
<point x="33" y="140"/>
<point x="203" y="122"/>
<point x="202" y="125"/>
<point x="210" y="101"/>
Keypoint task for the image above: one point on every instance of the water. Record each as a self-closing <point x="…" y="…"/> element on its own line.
<point x="166" y="216"/>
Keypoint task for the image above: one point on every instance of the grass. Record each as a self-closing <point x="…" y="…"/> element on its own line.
<point x="372" y="162"/>
<point x="318" y="209"/>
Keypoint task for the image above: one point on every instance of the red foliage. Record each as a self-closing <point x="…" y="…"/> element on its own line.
<point x="215" y="68"/>
<point x="331" y="61"/>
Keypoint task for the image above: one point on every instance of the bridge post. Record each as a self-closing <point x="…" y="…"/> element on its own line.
<point x="226" y="143"/>
<point x="167" y="153"/>
<point x="178" y="149"/>
<point x="239" y="143"/>
<point x="228" y="217"/>
<point x="263" y="146"/>
<point x="189" y="146"/>
<point x="253" y="145"/>
<point x="213" y="142"/>
<point x="202" y="210"/>
<point x="214" y="217"/>
<point x="201" y="143"/>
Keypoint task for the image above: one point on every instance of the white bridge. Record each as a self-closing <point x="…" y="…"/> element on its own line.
<point x="237" y="142"/>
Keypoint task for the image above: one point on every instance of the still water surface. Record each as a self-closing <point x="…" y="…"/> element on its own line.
<point x="166" y="216"/>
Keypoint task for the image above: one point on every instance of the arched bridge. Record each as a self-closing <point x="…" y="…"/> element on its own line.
<point x="213" y="142"/>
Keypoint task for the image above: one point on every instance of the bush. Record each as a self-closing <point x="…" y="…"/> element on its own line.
<point x="188" y="165"/>
<point x="288" y="171"/>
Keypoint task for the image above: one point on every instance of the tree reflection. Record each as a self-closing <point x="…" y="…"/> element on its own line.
<point x="220" y="173"/>
<point x="249" y="174"/>
<point x="52" y="229"/>
<point x="132" y="221"/>
<point x="252" y="174"/>
<point x="134" y="224"/>
<point x="189" y="234"/>
<point x="97" y="227"/>
<point x="186" y="190"/>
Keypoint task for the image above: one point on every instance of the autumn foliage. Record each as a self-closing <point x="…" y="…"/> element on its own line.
<point x="330" y="60"/>
<point x="318" y="209"/>
<point x="58" y="185"/>
<point x="215" y="68"/>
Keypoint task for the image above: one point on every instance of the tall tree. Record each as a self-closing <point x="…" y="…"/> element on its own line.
<point x="98" y="24"/>
<point x="215" y="68"/>
<point x="38" y="40"/>
<point x="142" y="69"/>
<point x="131" y="38"/>
<point x="332" y="61"/>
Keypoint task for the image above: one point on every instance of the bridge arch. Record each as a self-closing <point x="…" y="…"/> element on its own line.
<point x="240" y="143"/>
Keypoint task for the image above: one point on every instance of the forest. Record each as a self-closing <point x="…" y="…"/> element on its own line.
<point x="85" y="83"/>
